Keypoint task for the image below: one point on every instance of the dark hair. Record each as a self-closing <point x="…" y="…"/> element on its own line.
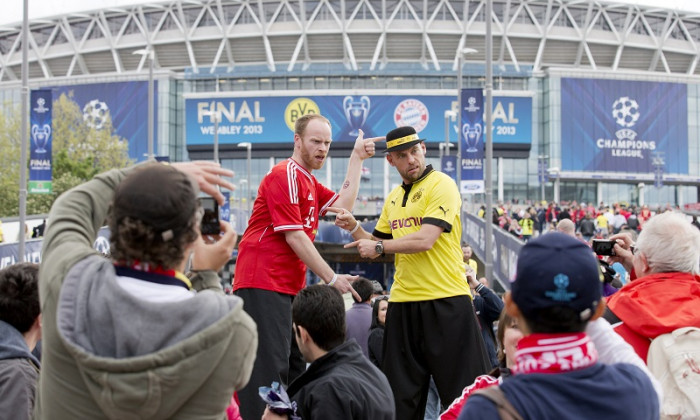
<point x="153" y="216"/>
<point x="554" y="320"/>
<point x="364" y="288"/>
<point x="304" y="120"/>
<point x="321" y="311"/>
<point x="504" y="321"/>
<point x="375" y="312"/>
<point x="19" y="295"/>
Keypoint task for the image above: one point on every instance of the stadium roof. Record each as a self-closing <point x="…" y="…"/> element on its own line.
<point x="12" y="13"/>
<point x="205" y="36"/>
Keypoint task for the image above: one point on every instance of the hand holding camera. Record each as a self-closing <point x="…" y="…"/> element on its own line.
<point x="623" y="254"/>
<point x="213" y="256"/>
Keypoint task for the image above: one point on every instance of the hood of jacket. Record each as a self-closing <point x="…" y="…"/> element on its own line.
<point x="141" y="359"/>
<point x="12" y="344"/>
<point x="658" y="303"/>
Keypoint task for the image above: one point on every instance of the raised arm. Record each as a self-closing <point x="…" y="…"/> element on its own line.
<point x="363" y="149"/>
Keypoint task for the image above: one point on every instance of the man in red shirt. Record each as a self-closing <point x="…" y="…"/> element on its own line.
<point x="277" y="247"/>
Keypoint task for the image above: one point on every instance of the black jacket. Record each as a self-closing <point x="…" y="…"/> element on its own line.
<point x="587" y="227"/>
<point x="343" y="384"/>
<point x="375" y="346"/>
<point x="488" y="308"/>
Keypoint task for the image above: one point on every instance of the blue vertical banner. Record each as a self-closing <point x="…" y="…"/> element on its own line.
<point x="472" y="141"/>
<point x="448" y="165"/>
<point x="225" y="210"/>
<point x="41" y="135"/>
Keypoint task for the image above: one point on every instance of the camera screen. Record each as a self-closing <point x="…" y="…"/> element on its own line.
<point x="210" y="219"/>
<point x="603" y="247"/>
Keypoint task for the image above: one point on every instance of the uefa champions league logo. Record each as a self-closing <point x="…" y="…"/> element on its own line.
<point x="471" y="105"/>
<point x="472" y="134"/>
<point x="625" y="111"/>
<point x="41" y="106"/>
<point x="627" y="142"/>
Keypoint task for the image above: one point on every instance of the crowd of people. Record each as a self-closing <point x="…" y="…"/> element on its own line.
<point x="590" y="220"/>
<point x="148" y="332"/>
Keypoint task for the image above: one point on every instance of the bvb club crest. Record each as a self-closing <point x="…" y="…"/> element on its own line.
<point x="417" y="196"/>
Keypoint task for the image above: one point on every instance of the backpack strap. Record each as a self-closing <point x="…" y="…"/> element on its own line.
<point x="610" y="316"/>
<point x="505" y="409"/>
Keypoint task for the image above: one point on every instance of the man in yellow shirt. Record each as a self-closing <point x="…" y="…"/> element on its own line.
<point x="467" y="257"/>
<point x="601" y="223"/>
<point x="431" y="328"/>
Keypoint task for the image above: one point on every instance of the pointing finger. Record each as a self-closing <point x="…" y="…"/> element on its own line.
<point x="338" y="210"/>
<point x="351" y="244"/>
<point x="355" y="295"/>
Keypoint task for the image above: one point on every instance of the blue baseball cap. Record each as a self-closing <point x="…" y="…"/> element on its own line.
<point x="557" y="270"/>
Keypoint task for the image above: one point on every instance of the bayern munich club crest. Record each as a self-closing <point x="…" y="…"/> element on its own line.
<point x="411" y="112"/>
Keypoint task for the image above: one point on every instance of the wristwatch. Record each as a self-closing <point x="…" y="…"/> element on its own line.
<point x="379" y="248"/>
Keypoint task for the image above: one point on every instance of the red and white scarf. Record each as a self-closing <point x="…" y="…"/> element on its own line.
<point x="554" y="353"/>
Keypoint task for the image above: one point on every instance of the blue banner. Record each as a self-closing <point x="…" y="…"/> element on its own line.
<point x="125" y="104"/>
<point x="448" y="165"/>
<point x="512" y="120"/>
<point x="472" y="141"/>
<point x="258" y="119"/>
<point x="225" y="210"/>
<point x="620" y="126"/>
<point x="41" y="134"/>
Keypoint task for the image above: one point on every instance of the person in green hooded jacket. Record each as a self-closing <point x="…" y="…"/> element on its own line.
<point x="130" y="336"/>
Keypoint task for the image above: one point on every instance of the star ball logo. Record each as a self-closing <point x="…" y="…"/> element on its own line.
<point x="41" y="106"/>
<point x="471" y="105"/>
<point x="626" y="113"/>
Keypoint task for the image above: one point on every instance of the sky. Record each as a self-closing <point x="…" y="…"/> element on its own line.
<point x="12" y="12"/>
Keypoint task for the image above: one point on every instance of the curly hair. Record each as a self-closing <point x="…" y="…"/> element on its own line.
<point x="19" y="295"/>
<point x="132" y="240"/>
<point x="153" y="217"/>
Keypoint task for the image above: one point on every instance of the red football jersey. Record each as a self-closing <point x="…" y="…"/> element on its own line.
<point x="289" y="198"/>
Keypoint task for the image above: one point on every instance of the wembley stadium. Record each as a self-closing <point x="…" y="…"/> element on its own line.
<point x="593" y="101"/>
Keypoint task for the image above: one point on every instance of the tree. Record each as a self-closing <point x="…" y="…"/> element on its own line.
<point x="10" y="140"/>
<point x="79" y="153"/>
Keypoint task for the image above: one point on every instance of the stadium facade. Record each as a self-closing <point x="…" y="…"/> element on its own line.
<point x="596" y="101"/>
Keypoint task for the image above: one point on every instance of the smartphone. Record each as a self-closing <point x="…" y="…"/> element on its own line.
<point x="210" y="219"/>
<point x="603" y="247"/>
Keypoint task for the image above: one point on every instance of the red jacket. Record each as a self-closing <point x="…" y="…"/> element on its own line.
<point x="655" y="304"/>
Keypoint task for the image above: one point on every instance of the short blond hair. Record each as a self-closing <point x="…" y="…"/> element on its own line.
<point x="303" y="121"/>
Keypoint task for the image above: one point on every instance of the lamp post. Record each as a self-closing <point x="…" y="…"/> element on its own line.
<point x="25" y="131"/>
<point x="542" y="173"/>
<point x="244" y="181"/>
<point x="488" y="264"/>
<point x="449" y="115"/>
<point x="148" y="53"/>
<point x="217" y="118"/>
<point x="248" y="147"/>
